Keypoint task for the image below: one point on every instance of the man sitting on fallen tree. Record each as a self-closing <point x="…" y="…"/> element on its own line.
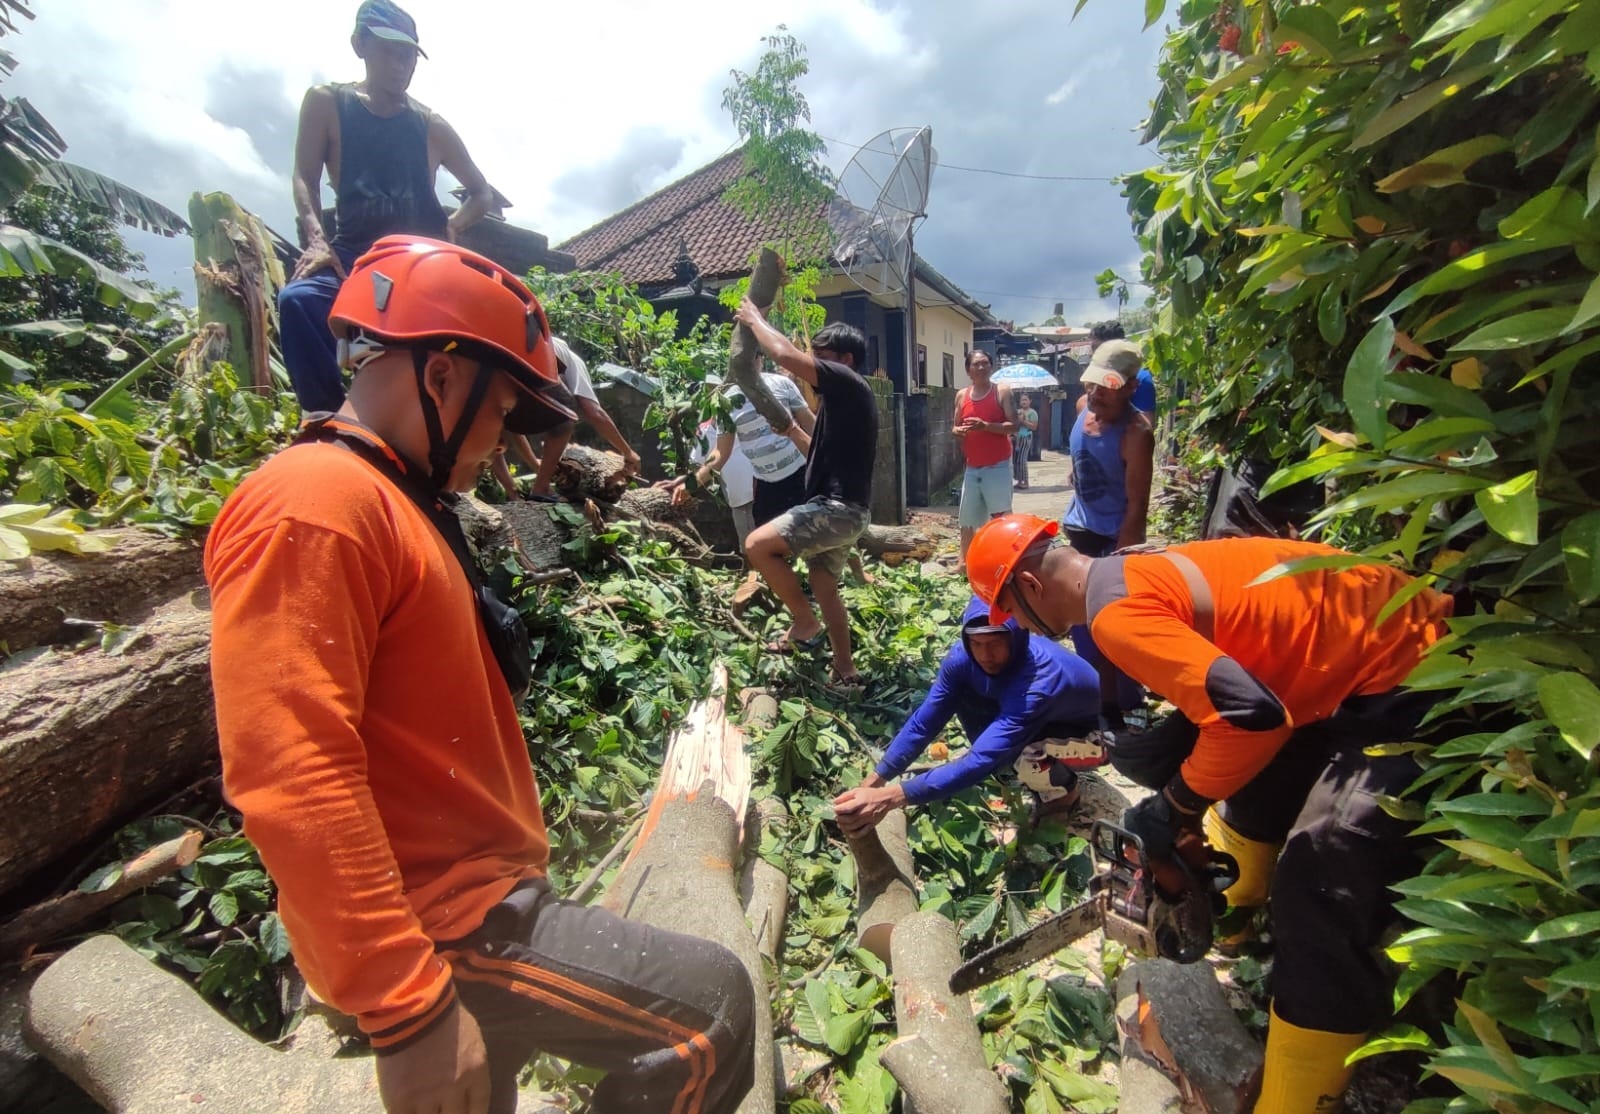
<point x="367" y="687"/>
<point x="1024" y="702"/>
<point x="1283" y="686"/>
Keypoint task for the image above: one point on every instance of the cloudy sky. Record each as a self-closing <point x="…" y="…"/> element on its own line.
<point x="574" y="110"/>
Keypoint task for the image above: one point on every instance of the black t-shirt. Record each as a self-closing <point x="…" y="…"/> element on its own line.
<point x="844" y="445"/>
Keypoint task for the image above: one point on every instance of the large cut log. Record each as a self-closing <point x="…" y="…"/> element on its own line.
<point x="39" y="595"/>
<point x="140" y="1041"/>
<point x="90" y="738"/>
<point x="1175" y="1015"/>
<point x="744" y="354"/>
<point x="937" y="1056"/>
<point x="49" y="919"/>
<point x="680" y="875"/>
<point x="886" y="883"/>
<point x="893" y="544"/>
<point x="586" y="473"/>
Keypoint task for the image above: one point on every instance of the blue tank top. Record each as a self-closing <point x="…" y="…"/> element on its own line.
<point x="1099" y="489"/>
<point x="385" y="180"/>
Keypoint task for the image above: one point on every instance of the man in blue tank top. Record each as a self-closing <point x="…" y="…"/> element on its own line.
<point x="1113" y="461"/>
<point x="381" y="150"/>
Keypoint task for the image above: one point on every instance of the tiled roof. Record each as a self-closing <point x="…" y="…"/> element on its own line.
<point x="641" y="242"/>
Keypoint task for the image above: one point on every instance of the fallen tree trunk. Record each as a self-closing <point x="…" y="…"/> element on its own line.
<point x="937" y="1057"/>
<point x="886" y="883"/>
<point x="89" y="739"/>
<point x="139" y="1041"/>
<point x="680" y="875"/>
<point x="893" y="544"/>
<point x="744" y="354"/>
<point x="586" y="473"/>
<point x="763" y="888"/>
<point x="39" y="595"/>
<point x="50" y="919"/>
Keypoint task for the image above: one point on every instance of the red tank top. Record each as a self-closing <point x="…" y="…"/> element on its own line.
<point x="982" y="448"/>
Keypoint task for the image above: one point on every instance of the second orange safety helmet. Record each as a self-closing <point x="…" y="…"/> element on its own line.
<point x="409" y="290"/>
<point x="995" y="549"/>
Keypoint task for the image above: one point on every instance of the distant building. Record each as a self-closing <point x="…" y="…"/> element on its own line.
<point x="689" y="228"/>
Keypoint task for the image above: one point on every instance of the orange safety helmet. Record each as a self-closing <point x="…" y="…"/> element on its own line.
<point x="430" y="294"/>
<point x="995" y="549"/>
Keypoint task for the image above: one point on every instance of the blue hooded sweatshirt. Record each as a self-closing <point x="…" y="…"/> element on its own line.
<point x="1041" y="686"/>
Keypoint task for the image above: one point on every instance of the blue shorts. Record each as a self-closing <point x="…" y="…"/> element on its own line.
<point x="985" y="492"/>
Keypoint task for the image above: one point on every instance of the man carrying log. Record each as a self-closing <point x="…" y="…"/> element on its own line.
<point x="368" y="724"/>
<point x="1024" y="702"/>
<point x="838" y="489"/>
<point x="381" y="151"/>
<point x="1286" y="683"/>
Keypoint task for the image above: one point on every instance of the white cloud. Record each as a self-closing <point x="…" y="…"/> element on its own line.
<point x="175" y="96"/>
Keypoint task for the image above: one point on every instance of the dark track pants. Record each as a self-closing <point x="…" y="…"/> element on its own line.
<point x="668" y="1016"/>
<point x="1330" y="895"/>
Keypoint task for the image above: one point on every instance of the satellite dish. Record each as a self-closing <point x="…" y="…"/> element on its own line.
<point x="882" y="193"/>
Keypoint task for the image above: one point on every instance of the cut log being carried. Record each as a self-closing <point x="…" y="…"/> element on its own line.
<point x="682" y="873"/>
<point x="744" y="354"/>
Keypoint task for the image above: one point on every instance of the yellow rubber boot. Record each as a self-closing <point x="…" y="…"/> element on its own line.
<point x="1305" y="1072"/>
<point x="1257" y="860"/>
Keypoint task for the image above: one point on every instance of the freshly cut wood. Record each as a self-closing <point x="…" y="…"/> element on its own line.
<point x="744" y="354"/>
<point x="886" y="883"/>
<point x="1179" y="1018"/>
<point x="680" y="875"/>
<point x="90" y="738"/>
<point x="38" y="595"/>
<point x="50" y="919"/>
<point x="139" y="1041"/>
<point x="586" y="473"/>
<point x="937" y="1058"/>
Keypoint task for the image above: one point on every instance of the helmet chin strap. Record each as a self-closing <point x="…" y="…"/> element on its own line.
<point x="442" y="450"/>
<point x="1033" y="616"/>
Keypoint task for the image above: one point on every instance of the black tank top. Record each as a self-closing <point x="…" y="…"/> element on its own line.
<point x="385" y="187"/>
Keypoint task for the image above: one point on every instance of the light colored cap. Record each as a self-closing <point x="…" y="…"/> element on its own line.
<point x="1113" y="364"/>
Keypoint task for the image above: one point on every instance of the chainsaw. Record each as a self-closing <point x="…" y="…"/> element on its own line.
<point x="1156" y="908"/>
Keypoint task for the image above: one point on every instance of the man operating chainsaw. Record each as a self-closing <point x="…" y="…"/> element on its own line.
<point x="1286" y="683"/>
<point x="1023" y="702"/>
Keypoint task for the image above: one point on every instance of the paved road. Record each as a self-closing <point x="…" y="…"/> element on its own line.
<point x="1049" y="489"/>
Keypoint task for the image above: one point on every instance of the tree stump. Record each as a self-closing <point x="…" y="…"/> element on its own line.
<point x="680" y="875"/>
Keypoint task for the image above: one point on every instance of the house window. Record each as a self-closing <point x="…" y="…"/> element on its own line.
<point x="949" y="369"/>
<point x="922" y="365"/>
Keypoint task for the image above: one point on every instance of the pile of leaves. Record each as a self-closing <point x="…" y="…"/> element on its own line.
<point x="1375" y="240"/>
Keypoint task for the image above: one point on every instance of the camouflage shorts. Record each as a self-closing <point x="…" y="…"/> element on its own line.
<point x="822" y="531"/>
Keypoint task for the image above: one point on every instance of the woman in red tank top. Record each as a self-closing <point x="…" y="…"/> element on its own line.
<point x="985" y="419"/>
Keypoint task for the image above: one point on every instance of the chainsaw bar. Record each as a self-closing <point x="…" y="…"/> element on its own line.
<point x="1029" y="947"/>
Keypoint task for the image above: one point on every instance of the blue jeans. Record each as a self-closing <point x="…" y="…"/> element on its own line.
<point x="310" y="352"/>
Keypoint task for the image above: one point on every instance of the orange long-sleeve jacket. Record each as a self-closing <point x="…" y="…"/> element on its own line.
<point x="1282" y="654"/>
<point x="367" y="735"/>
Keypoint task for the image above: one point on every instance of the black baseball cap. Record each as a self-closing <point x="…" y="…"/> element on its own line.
<point x="388" y="21"/>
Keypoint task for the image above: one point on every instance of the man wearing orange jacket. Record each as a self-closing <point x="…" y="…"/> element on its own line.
<point x="1282" y="686"/>
<point x="367" y="686"/>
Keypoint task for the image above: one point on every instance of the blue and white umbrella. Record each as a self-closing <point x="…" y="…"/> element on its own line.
<point x="1025" y="375"/>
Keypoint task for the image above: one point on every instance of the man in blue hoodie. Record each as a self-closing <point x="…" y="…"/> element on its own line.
<point x="1024" y="702"/>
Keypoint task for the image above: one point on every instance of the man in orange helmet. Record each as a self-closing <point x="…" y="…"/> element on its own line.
<point x="367" y="687"/>
<point x="1282" y="685"/>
